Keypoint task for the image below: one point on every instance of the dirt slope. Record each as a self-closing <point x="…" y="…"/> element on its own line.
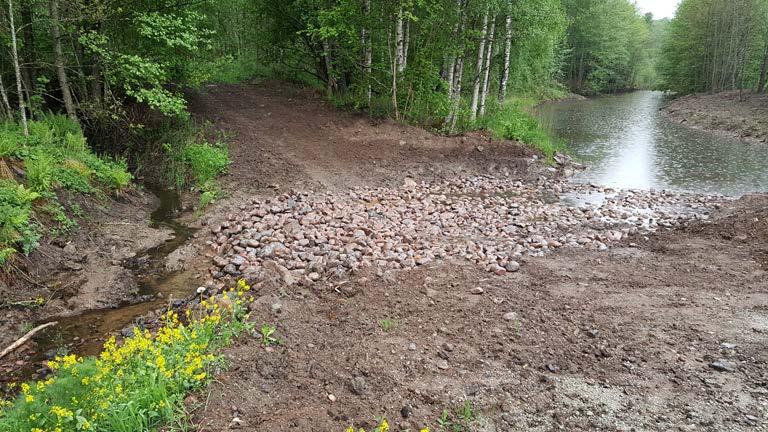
<point x="663" y="333"/>
<point x="735" y="114"/>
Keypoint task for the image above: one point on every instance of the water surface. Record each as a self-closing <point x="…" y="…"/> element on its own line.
<point x="626" y="142"/>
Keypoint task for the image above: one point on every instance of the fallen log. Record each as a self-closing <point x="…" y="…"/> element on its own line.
<point x="25" y="338"/>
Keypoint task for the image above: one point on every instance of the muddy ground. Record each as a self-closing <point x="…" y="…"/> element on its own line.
<point x="660" y="333"/>
<point x="82" y="270"/>
<point x="742" y="115"/>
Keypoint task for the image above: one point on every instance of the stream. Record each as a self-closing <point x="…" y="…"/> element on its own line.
<point x="85" y="333"/>
<point x="627" y="143"/>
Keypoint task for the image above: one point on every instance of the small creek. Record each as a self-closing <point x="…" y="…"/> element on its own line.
<point x="627" y="143"/>
<point x="85" y="333"/>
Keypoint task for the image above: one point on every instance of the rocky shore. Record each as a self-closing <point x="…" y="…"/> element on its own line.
<point x="491" y="222"/>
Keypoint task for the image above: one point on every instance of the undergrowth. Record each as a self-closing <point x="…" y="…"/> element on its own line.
<point x="136" y="386"/>
<point x="513" y="121"/>
<point x="54" y="156"/>
<point x="195" y="162"/>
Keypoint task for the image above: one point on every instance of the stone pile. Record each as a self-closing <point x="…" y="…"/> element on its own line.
<point x="489" y="221"/>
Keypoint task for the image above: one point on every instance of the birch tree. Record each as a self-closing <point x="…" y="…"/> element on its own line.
<point x="506" y="59"/>
<point x="478" y="69"/>
<point x="17" y="70"/>
<point x="487" y="68"/>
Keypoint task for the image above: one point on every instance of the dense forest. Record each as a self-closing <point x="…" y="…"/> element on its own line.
<point x="441" y="63"/>
<point x="435" y="62"/>
<point x="716" y="45"/>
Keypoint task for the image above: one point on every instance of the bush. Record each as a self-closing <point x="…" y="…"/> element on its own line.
<point x="206" y="161"/>
<point x="15" y="211"/>
<point x="137" y="386"/>
<point x="513" y="122"/>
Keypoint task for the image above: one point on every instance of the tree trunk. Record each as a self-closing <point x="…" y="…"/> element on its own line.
<point x="406" y="43"/>
<point x="763" y="71"/>
<point x="507" y="58"/>
<point x="17" y="70"/>
<point x="399" y="43"/>
<point x="487" y="68"/>
<point x="368" y="54"/>
<point x="457" y="72"/>
<point x="4" y="100"/>
<point x="478" y="69"/>
<point x="28" y="71"/>
<point x="330" y="80"/>
<point x="58" y="59"/>
<point x="451" y="61"/>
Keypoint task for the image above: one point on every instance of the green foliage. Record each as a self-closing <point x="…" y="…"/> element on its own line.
<point x="206" y="161"/>
<point x="209" y="192"/>
<point x="387" y="324"/>
<point x="137" y="386"/>
<point x="608" y="44"/>
<point x="55" y="155"/>
<point x="715" y="45"/>
<point x="513" y="122"/>
<point x="267" y="333"/>
<point x="16" y="229"/>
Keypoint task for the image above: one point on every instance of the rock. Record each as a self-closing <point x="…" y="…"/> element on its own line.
<point x="358" y="385"/>
<point x="728" y="346"/>
<point x="276" y="308"/>
<point x="408" y="183"/>
<point x="512" y="266"/>
<point x="331" y="397"/>
<point x="314" y="276"/>
<point x="476" y="291"/>
<point x="429" y="292"/>
<point x="411" y="346"/>
<point x="553" y="368"/>
<point x="406" y="411"/>
<point x="236" y="423"/>
<point x="593" y="333"/>
<point x="70" y="249"/>
<point x="449" y="347"/>
<point x="722" y="365"/>
<point x="510" y="316"/>
<point x="442" y="364"/>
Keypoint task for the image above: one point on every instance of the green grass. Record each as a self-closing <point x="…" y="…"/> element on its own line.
<point x="206" y="161"/>
<point x="512" y="121"/>
<point x="54" y="156"/>
<point x="136" y="386"/>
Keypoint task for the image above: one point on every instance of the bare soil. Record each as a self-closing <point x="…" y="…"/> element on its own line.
<point x="661" y="333"/>
<point x="742" y="115"/>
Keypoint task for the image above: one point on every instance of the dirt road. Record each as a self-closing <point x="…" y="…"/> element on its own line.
<point x="656" y="333"/>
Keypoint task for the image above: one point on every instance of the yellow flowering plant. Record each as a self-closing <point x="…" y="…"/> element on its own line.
<point x="138" y="385"/>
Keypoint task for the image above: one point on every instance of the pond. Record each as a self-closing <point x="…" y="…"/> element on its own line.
<point x="627" y="143"/>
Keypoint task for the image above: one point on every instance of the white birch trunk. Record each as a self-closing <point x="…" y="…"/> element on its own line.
<point x="478" y="70"/>
<point x="399" y="43"/>
<point x="368" y="55"/>
<point x="406" y="44"/>
<point x="17" y="70"/>
<point x="487" y="68"/>
<point x="507" y="58"/>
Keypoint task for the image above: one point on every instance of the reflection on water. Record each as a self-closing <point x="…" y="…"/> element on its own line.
<point x="627" y="143"/>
